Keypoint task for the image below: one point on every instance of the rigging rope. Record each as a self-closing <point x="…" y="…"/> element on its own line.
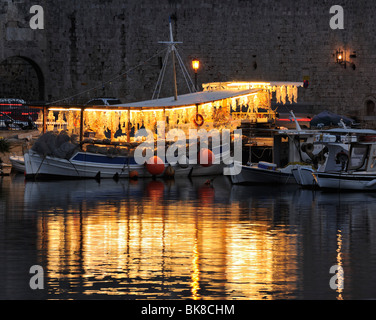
<point x="108" y="81"/>
<point x="158" y="87"/>
<point x="185" y="72"/>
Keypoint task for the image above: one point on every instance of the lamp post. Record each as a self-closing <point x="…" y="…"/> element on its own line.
<point x="195" y="66"/>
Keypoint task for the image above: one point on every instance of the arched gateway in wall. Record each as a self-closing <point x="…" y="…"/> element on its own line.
<point x="21" y="77"/>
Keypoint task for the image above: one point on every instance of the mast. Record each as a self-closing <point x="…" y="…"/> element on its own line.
<point x="171" y="49"/>
<point x="173" y="61"/>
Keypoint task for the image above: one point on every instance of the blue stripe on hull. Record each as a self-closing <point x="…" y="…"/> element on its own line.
<point x="93" y="158"/>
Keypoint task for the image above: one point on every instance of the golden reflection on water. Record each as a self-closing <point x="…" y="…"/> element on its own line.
<point x="195" y="283"/>
<point x="341" y="279"/>
<point x="182" y="248"/>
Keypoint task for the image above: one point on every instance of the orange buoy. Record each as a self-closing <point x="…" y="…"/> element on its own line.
<point x="133" y="175"/>
<point x="155" y="166"/>
<point x="206" y="157"/>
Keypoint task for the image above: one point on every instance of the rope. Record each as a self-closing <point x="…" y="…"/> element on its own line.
<point x="259" y="157"/>
<point x="37" y="173"/>
<point x="185" y="72"/>
<point x="184" y="75"/>
<point x="158" y="87"/>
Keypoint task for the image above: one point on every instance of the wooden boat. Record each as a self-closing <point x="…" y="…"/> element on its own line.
<point x="219" y="103"/>
<point x="220" y="106"/>
<point x="96" y="165"/>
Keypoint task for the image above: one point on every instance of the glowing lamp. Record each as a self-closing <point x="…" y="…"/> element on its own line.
<point x="195" y="65"/>
<point x="339" y="57"/>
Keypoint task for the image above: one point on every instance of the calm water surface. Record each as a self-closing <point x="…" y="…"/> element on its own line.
<point x="183" y="239"/>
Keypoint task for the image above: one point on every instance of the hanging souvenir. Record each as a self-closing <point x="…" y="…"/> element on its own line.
<point x="295" y="93"/>
<point x="153" y="119"/>
<point x="159" y="116"/>
<point x="133" y="119"/>
<point x="39" y="122"/>
<point x="256" y="102"/>
<point x="283" y="94"/>
<point x="290" y="93"/>
<point x="97" y="121"/>
<point x="262" y="99"/>
<point x="173" y="119"/>
<point x="278" y="95"/>
<point x="116" y="122"/>
<point x="70" y="120"/>
<point x="60" y="121"/>
<point x="146" y="119"/>
<point x="103" y="126"/>
<point x="50" y="121"/>
<point x="233" y="105"/>
<point x="124" y="122"/>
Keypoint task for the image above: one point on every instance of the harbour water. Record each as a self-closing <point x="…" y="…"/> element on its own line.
<point x="184" y="239"/>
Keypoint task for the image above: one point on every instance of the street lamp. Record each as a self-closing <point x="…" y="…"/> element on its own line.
<point x="195" y="66"/>
<point x="339" y="57"/>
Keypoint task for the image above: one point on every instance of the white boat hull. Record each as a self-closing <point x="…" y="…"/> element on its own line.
<point x="87" y="165"/>
<point x="304" y="176"/>
<point x="18" y="163"/>
<point x="254" y="175"/>
<point x="346" y="181"/>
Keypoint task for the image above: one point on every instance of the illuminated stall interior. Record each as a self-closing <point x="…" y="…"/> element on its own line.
<point x="221" y="105"/>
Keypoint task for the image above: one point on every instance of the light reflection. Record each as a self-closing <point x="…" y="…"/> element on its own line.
<point x="157" y="248"/>
<point x="195" y="273"/>
<point x="340" y="283"/>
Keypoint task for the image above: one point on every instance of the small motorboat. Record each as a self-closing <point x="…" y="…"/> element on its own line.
<point x="358" y="169"/>
<point x="263" y="173"/>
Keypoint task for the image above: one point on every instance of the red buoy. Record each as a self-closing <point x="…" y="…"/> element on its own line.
<point x="206" y="157"/>
<point x="155" y="166"/>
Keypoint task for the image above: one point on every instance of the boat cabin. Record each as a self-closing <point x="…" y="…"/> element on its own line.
<point x="362" y="157"/>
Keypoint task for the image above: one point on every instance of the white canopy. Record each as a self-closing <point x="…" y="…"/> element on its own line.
<point x="190" y="99"/>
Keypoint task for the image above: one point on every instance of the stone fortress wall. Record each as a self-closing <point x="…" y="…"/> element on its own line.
<point x="86" y="43"/>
